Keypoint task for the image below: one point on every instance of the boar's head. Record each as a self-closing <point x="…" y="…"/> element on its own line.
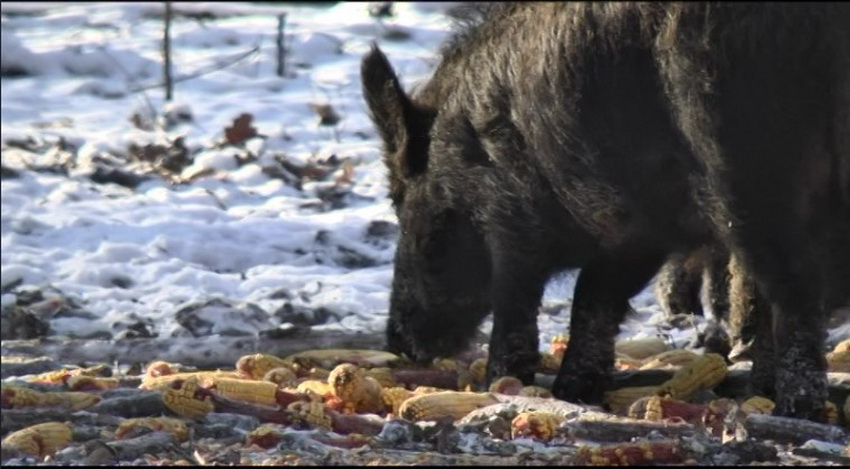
<point x="441" y="282"/>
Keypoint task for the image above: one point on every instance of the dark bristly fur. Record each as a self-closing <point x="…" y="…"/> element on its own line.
<point x="606" y="137"/>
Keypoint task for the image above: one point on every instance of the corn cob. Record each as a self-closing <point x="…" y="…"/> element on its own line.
<point x="188" y="399"/>
<point x="160" y="368"/>
<point x="558" y="345"/>
<point x="433" y="406"/>
<point x="14" y="397"/>
<point x="264" y="436"/>
<point x="506" y="385"/>
<point x="830" y="411"/>
<point x="282" y="377"/>
<point x="318" y="373"/>
<point x="625" y="362"/>
<point x="316" y="387"/>
<point x="359" y="392"/>
<point x="641" y="348"/>
<point x="758" y="405"/>
<point x="40" y="440"/>
<point x="61" y="376"/>
<point x="838" y="361"/>
<point x="256" y="392"/>
<point x="478" y="371"/>
<point x="174" y="426"/>
<point x="160" y="383"/>
<point x="464" y="377"/>
<point x="549" y="363"/>
<point x="73" y="401"/>
<point x="630" y="454"/>
<point x="535" y="391"/>
<point x="536" y="424"/>
<point x="670" y="358"/>
<point x="383" y="375"/>
<point x="51" y="377"/>
<point x="310" y="414"/>
<point x="257" y="365"/>
<point x="704" y="373"/>
<point x="620" y="400"/>
<point x="329" y="358"/>
<point x="91" y="383"/>
<point x="394" y="397"/>
<point x="658" y="408"/>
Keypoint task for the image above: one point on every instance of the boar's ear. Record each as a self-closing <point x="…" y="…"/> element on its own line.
<point x="403" y="126"/>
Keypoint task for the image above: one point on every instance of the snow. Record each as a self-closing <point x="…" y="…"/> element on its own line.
<point x="230" y="232"/>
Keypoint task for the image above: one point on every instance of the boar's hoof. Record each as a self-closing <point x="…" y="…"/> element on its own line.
<point x="584" y="388"/>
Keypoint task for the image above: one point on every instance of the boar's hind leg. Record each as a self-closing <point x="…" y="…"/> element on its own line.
<point x="600" y="303"/>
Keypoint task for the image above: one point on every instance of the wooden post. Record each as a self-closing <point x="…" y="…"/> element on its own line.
<point x="166" y="52"/>
<point x="281" y="53"/>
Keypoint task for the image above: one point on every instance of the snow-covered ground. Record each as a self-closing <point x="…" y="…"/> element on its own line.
<point x="291" y="226"/>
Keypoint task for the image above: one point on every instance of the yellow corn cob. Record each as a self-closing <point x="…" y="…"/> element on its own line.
<point x="160" y="383"/>
<point x="186" y="401"/>
<point x="478" y="371"/>
<point x="558" y="344"/>
<point x="382" y="375"/>
<point x="838" y="361"/>
<point x="625" y="362"/>
<point x="535" y="391"/>
<point x="257" y="392"/>
<point x="641" y="348"/>
<point x="506" y="385"/>
<point x="16" y="397"/>
<point x="318" y="373"/>
<point x="536" y="424"/>
<point x="675" y="358"/>
<point x="264" y="436"/>
<point x="74" y="401"/>
<point x="394" y="397"/>
<point x="174" y="426"/>
<point x="51" y="377"/>
<point x="282" y="377"/>
<point x="159" y="368"/>
<point x="358" y="392"/>
<point x="620" y="400"/>
<point x="831" y="412"/>
<point x="704" y="373"/>
<point x="426" y="389"/>
<point x="40" y="440"/>
<point x="433" y="406"/>
<point x="641" y="409"/>
<point x="257" y="365"/>
<point x="329" y="358"/>
<point x="652" y="411"/>
<point x="758" y="405"/>
<point x="549" y="363"/>
<point x="311" y="414"/>
<point x="320" y="388"/>
<point x="91" y="383"/>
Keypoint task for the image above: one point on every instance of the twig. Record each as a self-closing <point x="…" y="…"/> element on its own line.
<point x="166" y="52"/>
<point x="198" y="74"/>
<point x="281" y="53"/>
<point x="132" y="81"/>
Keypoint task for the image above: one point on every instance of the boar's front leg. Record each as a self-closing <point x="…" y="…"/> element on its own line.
<point x="514" y="342"/>
<point x="600" y="302"/>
